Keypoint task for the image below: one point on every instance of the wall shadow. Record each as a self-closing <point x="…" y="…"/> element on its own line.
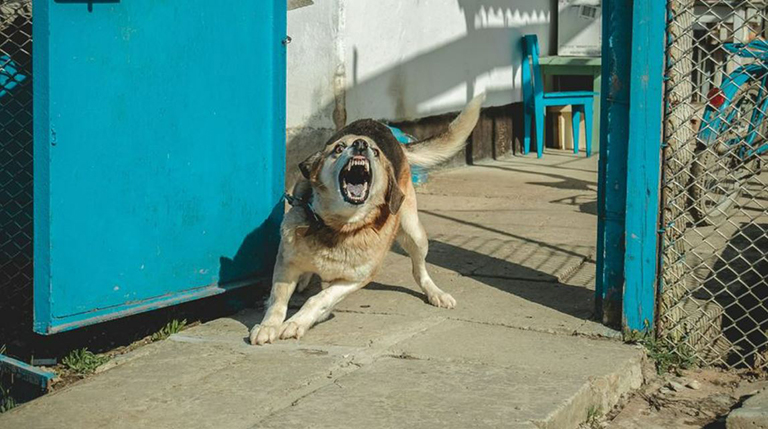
<point x="255" y="258"/>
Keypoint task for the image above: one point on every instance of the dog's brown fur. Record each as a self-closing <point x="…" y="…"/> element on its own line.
<point x="345" y="243"/>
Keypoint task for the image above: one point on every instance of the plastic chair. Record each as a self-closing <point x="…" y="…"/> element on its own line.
<point x="535" y="101"/>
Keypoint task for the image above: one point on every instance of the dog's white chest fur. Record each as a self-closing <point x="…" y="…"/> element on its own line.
<point x="354" y="258"/>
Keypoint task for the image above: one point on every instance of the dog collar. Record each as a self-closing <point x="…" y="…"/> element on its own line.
<point x="314" y="218"/>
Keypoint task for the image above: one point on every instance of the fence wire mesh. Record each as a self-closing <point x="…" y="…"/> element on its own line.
<point x="15" y="168"/>
<point x="713" y="301"/>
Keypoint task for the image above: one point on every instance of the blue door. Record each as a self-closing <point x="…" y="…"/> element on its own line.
<point x="158" y="153"/>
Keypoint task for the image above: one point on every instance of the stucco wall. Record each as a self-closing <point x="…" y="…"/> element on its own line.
<point x="399" y="60"/>
<point x="419" y="58"/>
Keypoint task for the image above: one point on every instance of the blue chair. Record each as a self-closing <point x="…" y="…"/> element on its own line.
<point x="535" y="101"/>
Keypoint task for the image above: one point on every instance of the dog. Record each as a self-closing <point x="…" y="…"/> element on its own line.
<point x="354" y="199"/>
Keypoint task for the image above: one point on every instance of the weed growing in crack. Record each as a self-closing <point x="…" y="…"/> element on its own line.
<point x="667" y="355"/>
<point x="6" y="400"/>
<point x="594" y="415"/>
<point x="83" y="361"/>
<point x="172" y="327"/>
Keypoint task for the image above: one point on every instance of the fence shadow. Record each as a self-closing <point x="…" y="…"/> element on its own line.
<point x="525" y="282"/>
<point x="738" y="283"/>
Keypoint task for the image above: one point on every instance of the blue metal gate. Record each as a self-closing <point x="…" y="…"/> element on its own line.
<point x="158" y="153"/>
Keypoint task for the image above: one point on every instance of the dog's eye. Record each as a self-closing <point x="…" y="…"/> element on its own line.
<point x="339" y="148"/>
<point x="376" y="153"/>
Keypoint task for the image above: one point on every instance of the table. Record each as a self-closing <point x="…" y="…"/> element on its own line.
<point x="576" y="66"/>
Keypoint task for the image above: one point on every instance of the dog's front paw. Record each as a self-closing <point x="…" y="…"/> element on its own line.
<point x="441" y="299"/>
<point x="263" y="334"/>
<point x="292" y="329"/>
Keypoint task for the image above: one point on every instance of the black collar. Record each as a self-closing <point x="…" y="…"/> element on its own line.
<point x="315" y="221"/>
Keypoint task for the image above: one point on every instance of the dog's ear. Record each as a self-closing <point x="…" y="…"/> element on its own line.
<point x="395" y="196"/>
<point x="308" y="165"/>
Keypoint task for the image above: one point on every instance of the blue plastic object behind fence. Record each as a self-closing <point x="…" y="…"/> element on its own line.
<point x="418" y="174"/>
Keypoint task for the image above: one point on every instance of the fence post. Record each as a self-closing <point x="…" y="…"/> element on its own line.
<point x="629" y="168"/>
<point x="644" y="164"/>
<point x="612" y="179"/>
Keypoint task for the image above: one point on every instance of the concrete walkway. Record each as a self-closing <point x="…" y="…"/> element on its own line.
<point x="513" y="241"/>
<point x="753" y="413"/>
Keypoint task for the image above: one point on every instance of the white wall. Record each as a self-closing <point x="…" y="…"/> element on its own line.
<point x="403" y="59"/>
<point x="410" y="59"/>
<point x="311" y="62"/>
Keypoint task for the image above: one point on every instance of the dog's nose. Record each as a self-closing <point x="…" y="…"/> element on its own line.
<point x="360" y="144"/>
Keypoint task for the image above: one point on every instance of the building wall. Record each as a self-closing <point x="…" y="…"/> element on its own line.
<point x="403" y="60"/>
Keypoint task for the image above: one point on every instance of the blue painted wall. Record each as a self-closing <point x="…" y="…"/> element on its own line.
<point x="159" y="153"/>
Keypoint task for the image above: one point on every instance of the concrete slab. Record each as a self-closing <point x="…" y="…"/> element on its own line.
<point x="470" y="375"/>
<point x="398" y="393"/>
<point x="179" y="385"/>
<point x="512" y="241"/>
<point x="546" y="307"/>
<point x="552" y="200"/>
<point x="753" y="414"/>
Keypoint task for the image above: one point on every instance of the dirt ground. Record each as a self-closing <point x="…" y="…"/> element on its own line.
<point x="697" y="398"/>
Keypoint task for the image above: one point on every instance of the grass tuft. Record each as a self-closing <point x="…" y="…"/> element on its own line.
<point x="7" y="403"/>
<point x="6" y="400"/>
<point x="83" y="361"/>
<point x="666" y="356"/>
<point x="594" y="414"/>
<point x="172" y="327"/>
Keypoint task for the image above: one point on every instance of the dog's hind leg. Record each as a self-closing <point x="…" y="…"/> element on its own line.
<point x="413" y="239"/>
<point x="304" y="281"/>
<point x="283" y="284"/>
<point x="317" y="308"/>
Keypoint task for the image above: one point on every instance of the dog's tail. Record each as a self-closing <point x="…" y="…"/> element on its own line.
<point x="434" y="150"/>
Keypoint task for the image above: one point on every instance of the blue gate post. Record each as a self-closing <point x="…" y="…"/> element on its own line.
<point x="630" y="154"/>
<point x="644" y="164"/>
<point x="612" y="179"/>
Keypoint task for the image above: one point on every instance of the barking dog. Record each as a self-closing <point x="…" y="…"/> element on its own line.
<point x="355" y="199"/>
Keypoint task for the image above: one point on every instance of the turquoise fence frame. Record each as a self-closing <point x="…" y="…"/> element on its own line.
<point x="630" y="162"/>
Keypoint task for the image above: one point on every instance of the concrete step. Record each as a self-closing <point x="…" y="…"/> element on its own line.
<point x="356" y="370"/>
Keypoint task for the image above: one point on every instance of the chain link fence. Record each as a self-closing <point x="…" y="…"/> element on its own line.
<point x="16" y="225"/>
<point x="713" y="300"/>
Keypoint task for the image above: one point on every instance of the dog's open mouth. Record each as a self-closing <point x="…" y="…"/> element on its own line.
<point x="355" y="180"/>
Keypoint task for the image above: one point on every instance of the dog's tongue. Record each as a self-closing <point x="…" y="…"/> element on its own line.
<point x="356" y="190"/>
